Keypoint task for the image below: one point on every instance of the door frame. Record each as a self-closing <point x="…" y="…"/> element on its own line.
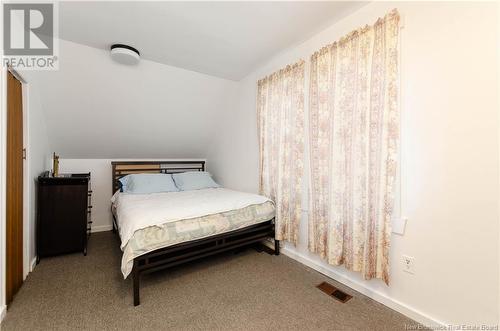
<point x="3" y="190"/>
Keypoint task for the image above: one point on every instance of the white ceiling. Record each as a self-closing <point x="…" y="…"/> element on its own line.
<point x="223" y="39"/>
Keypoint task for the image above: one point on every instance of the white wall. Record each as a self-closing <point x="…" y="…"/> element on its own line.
<point x="97" y="108"/>
<point x="38" y="160"/>
<point x="234" y="155"/>
<point x="101" y="186"/>
<point x="498" y="123"/>
<point x="451" y="160"/>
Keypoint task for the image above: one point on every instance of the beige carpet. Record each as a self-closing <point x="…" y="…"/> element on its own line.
<point x="244" y="291"/>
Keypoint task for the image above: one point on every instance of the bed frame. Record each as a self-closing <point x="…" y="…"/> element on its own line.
<point x="192" y="250"/>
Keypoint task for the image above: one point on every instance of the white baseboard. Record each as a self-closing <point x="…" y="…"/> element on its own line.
<point x="102" y="228"/>
<point x="3" y="312"/>
<point x="33" y="264"/>
<point x="357" y="286"/>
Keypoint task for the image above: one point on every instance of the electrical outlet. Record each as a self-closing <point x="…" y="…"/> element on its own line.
<point x="408" y="264"/>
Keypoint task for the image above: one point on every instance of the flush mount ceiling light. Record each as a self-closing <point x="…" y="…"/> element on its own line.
<point x="125" y="54"/>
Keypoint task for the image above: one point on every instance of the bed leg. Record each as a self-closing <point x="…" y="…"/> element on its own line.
<point x="276" y="247"/>
<point x="135" y="279"/>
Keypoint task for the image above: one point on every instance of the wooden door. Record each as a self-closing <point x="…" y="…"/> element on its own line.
<point x="14" y="233"/>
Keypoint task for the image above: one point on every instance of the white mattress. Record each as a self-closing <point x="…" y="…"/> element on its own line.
<point x="138" y="211"/>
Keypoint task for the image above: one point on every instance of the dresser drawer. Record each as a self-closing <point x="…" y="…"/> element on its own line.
<point x="62" y="218"/>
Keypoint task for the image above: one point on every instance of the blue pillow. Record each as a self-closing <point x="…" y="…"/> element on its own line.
<point x="148" y="183"/>
<point x="194" y="180"/>
<point x="122" y="183"/>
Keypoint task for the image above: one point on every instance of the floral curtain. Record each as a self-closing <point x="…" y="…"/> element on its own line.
<point x="354" y="133"/>
<point x="280" y="112"/>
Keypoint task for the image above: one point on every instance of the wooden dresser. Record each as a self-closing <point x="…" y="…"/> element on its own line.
<point x="63" y="214"/>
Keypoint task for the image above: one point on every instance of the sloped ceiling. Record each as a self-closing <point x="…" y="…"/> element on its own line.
<point x="96" y="108"/>
<point x="171" y="104"/>
<point x="224" y="39"/>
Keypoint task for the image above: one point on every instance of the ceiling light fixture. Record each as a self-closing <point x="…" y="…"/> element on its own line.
<point x="125" y="54"/>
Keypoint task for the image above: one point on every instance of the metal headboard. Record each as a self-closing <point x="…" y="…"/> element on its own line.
<point x="123" y="168"/>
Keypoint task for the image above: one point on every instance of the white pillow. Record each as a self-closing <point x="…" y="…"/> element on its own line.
<point x="194" y="180"/>
<point x="148" y="183"/>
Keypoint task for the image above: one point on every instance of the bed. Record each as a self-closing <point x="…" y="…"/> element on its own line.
<point x="162" y="230"/>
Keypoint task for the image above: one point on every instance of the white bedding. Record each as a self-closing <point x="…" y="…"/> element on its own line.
<point x="139" y="211"/>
